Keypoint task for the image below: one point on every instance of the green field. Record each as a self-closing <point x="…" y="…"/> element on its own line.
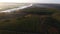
<point x="28" y="23"/>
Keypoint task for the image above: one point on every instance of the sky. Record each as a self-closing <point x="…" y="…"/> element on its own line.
<point x="32" y="1"/>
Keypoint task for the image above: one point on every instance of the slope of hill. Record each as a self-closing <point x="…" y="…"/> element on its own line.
<point x="27" y="20"/>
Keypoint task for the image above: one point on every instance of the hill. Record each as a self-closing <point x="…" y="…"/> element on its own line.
<point x="29" y="20"/>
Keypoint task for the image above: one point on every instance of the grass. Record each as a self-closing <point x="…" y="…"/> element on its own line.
<point x="27" y="23"/>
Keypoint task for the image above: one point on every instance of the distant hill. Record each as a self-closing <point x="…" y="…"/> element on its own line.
<point x="57" y="6"/>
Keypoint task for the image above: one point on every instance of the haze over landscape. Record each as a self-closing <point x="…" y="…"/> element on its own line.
<point x="5" y="6"/>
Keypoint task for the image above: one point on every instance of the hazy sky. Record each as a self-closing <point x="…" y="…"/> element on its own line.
<point x="32" y="1"/>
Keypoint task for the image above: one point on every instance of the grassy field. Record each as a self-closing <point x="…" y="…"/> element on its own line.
<point x="26" y="23"/>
